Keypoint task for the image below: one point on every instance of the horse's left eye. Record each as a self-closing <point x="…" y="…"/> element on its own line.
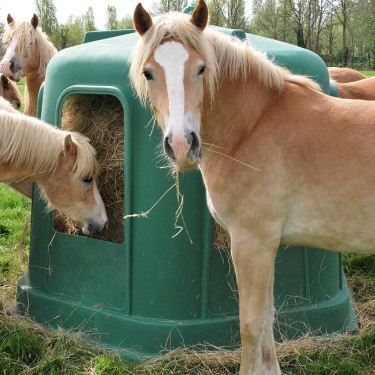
<point x="87" y="180"/>
<point x="202" y="69"/>
<point x="147" y="75"/>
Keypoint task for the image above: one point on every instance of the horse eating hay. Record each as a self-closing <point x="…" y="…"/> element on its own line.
<point x="294" y="166"/>
<point x="62" y="163"/>
<point x="101" y="119"/>
<point x="28" y="54"/>
<point x="9" y="91"/>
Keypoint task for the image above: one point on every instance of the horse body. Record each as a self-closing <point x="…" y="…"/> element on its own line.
<point x="344" y="75"/>
<point x="363" y="89"/>
<point x="28" y="54"/>
<point x="282" y="163"/>
<point x="62" y="163"/>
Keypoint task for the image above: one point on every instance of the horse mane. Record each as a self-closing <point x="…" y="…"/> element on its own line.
<point x="225" y="57"/>
<point x="27" y="142"/>
<point x="5" y="105"/>
<point x="27" y="35"/>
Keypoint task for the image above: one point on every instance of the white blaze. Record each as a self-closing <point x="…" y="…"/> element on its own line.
<point x="11" y="50"/>
<point x="171" y="56"/>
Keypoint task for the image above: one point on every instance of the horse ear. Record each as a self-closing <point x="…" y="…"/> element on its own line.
<point x="141" y="19"/>
<point x="69" y="145"/>
<point x="10" y="19"/>
<point x="199" y="17"/>
<point x="4" y="81"/>
<point x="35" y="21"/>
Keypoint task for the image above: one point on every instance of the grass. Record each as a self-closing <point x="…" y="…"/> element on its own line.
<point x="27" y="348"/>
<point x="368" y="73"/>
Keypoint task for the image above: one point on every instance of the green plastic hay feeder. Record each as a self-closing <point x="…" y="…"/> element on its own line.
<point x="154" y="292"/>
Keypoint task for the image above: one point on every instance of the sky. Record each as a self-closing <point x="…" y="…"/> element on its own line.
<point x="24" y="9"/>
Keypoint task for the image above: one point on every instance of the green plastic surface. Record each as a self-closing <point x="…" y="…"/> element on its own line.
<point x="154" y="291"/>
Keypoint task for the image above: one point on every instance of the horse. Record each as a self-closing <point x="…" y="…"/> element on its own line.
<point x="62" y="163"/>
<point x="363" y="89"/>
<point x="344" y="75"/>
<point x="282" y="163"/>
<point x="9" y="91"/>
<point x="28" y="54"/>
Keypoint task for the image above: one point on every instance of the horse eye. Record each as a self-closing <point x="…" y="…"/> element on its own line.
<point x="147" y="75"/>
<point x="87" y="180"/>
<point x="202" y="69"/>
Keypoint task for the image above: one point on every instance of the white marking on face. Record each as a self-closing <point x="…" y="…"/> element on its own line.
<point x="100" y="203"/>
<point x="171" y="56"/>
<point x="11" y="50"/>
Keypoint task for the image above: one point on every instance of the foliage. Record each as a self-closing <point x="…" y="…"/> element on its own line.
<point x="341" y="31"/>
<point x="46" y="12"/>
<point x="88" y="21"/>
<point x="112" y="22"/>
<point x="228" y="13"/>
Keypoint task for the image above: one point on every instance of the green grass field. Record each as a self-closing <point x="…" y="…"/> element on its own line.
<point x="27" y="348"/>
<point x="368" y="73"/>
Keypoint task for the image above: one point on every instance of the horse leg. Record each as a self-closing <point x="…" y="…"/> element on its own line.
<point x="269" y="357"/>
<point x="254" y="266"/>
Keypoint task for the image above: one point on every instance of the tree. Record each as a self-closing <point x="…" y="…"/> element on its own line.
<point x="343" y="10"/>
<point x="112" y="23"/>
<point x="166" y="6"/>
<point x="46" y="12"/>
<point x="88" y="20"/>
<point x="125" y="22"/>
<point x="228" y="13"/>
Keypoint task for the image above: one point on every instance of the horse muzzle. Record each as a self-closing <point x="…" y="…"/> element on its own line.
<point x="184" y="151"/>
<point x="11" y="70"/>
<point x="94" y="228"/>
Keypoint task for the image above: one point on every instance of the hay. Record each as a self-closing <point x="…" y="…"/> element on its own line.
<point x="101" y="119"/>
<point x="221" y="237"/>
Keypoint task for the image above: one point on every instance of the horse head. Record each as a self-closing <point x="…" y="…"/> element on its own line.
<point x="21" y="56"/>
<point x="72" y="187"/>
<point x="174" y="79"/>
<point x="9" y="91"/>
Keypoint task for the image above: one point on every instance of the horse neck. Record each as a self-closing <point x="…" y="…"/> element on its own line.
<point x="33" y="81"/>
<point x="236" y="110"/>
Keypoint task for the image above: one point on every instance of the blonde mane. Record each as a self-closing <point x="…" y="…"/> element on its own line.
<point x="27" y="36"/>
<point x="225" y="57"/>
<point x="27" y="142"/>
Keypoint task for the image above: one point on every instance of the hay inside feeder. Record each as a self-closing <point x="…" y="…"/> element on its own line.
<point x="101" y="119"/>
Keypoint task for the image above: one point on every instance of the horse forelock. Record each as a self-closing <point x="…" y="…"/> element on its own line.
<point x="26" y="35"/>
<point x="86" y="164"/>
<point x="225" y="57"/>
<point x="176" y="26"/>
<point x="27" y="142"/>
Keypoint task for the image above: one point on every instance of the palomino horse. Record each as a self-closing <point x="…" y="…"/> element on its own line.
<point x="344" y="75"/>
<point x="62" y="163"/>
<point x="281" y="161"/>
<point x="363" y="89"/>
<point x="9" y="91"/>
<point x="28" y="54"/>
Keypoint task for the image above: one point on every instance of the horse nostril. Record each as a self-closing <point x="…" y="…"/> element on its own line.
<point x="168" y="149"/>
<point x="11" y="65"/>
<point x="195" y="142"/>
